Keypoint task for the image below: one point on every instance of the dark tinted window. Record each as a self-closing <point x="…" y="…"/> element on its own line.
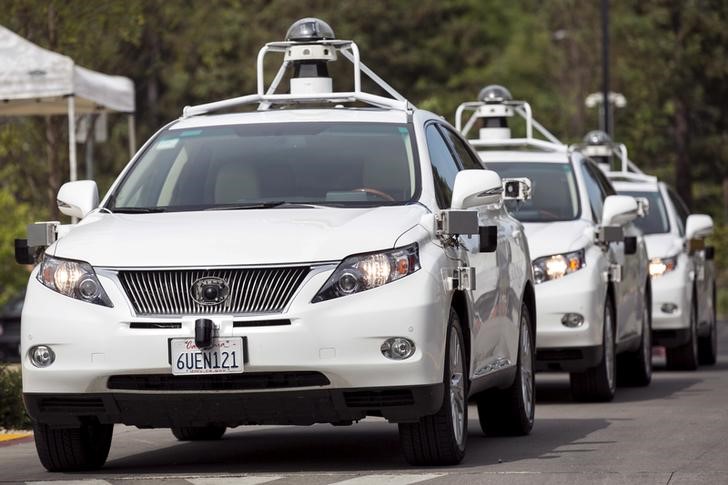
<point x="319" y="163"/>
<point x="468" y="159"/>
<point x="554" y="194"/>
<point x="594" y="188"/>
<point x="444" y="166"/>
<point x="656" y="221"/>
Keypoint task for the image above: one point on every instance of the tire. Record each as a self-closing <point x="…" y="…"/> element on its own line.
<point x="84" y="447"/>
<point x="634" y="368"/>
<point x="708" y="345"/>
<point x="440" y="439"/>
<point x="510" y="412"/>
<point x="198" y="433"/>
<point x="685" y="357"/>
<point x="599" y="383"/>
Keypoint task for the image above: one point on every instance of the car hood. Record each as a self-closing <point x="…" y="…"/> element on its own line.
<point x="663" y="245"/>
<point x="235" y="237"/>
<point x="547" y="238"/>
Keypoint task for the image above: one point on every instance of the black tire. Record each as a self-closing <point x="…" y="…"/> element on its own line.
<point x="708" y="345"/>
<point x="685" y="357"/>
<point x="634" y="368"/>
<point x="198" y="433"/>
<point x="434" y="440"/>
<point x="510" y="411"/>
<point x="599" y="383"/>
<point x="84" y="447"/>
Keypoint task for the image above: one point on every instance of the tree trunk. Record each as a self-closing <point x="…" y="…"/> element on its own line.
<point x="683" y="176"/>
<point x="54" y="168"/>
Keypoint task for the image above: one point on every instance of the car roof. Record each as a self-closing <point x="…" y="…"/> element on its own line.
<point x="494" y="156"/>
<point x="366" y="115"/>
<point x="621" y="186"/>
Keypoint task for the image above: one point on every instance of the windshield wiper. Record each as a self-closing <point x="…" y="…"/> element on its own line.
<point x="258" y="205"/>
<point x="136" y="210"/>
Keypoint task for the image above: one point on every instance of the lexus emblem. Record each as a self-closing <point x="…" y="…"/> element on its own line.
<point x="210" y="291"/>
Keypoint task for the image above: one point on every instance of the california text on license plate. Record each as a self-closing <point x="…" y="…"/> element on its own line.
<point x="224" y="357"/>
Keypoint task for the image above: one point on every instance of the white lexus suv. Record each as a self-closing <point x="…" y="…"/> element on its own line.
<point x="327" y="257"/>
<point x="589" y="263"/>
<point x="683" y="280"/>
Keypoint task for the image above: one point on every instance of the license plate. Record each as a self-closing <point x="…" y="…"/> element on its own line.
<point x="224" y="357"/>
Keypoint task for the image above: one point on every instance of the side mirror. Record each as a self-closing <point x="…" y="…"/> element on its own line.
<point x="516" y="189"/>
<point x="698" y="226"/>
<point x="476" y="187"/>
<point x="619" y="210"/>
<point x="76" y="199"/>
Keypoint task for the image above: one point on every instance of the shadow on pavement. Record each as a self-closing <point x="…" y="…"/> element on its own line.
<point x="371" y="447"/>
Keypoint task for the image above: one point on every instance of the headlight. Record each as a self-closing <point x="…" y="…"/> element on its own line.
<point x="72" y="278"/>
<point x="557" y="266"/>
<point x="660" y="266"/>
<point x="366" y="271"/>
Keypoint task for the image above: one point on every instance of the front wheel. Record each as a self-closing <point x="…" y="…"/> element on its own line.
<point x="685" y="357"/>
<point x="198" y="433"/>
<point x="83" y="447"/>
<point x="708" y="345"/>
<point x="634" y="368"/>
<point x="510" y="411"/>
<point x="440" y="439"/>
<point x="599" y="383"/>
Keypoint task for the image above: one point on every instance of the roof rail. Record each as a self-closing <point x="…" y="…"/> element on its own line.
<point x="623" y="176"/>
<point x="482" y="109"/>
<point x="264" y="98"/>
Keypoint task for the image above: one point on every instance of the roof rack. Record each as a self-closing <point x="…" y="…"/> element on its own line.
<point x="265" y="98"/>
<point x="503" y="107"/>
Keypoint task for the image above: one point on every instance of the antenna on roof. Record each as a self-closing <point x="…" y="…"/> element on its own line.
<point x="494" y="107"/>
<point x="309" y="46"/>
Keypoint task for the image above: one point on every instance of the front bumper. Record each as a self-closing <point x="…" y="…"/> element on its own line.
<point x="339" y="339"/>
<point x="673" y="288"/>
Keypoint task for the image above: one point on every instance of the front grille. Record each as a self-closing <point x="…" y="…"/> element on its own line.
<point x="74" y="405"/>
<point x="218" y="382"/>
<point x="251" y="290"/>
<point x="379" y="399"/>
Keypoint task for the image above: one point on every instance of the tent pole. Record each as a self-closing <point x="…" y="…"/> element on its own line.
<point x="132" y="135"/>
<point x="72" y="137"/>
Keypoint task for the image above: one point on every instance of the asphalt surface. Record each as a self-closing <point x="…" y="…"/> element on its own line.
<point x="675" y="431"/>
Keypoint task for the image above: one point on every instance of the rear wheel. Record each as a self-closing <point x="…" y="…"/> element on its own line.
<point x="510" y="412"/>
<point x="440" y="439"/>
<point x="685" y="357"/>
<point x="84" y="447"/>
<point x="634" y="368"/>
<point x="599" y="383"/>
<point x="198" y="433"/>
<point x="708" y="345"/>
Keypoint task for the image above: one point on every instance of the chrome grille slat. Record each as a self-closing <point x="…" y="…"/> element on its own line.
<point x="252" y="290"/>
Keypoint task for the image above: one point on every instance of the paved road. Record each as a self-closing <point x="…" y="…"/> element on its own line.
<point x="675" y="432"/>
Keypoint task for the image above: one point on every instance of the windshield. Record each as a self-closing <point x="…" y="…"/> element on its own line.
<point x="269" y="164"/>
<point x="656" y="221"/>
<point x="554" y="196"/>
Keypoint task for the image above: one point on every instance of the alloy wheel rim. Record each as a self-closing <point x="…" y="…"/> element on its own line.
<point x="457" y="388"/>
<point x="526" y="359"/>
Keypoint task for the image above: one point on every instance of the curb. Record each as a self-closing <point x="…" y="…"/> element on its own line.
<point x="10" y="439"/>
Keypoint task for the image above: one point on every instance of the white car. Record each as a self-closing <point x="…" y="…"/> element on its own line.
<point x="592" y="285"/>
<point x="683" y="280"/>
<point x="298" y="265"/>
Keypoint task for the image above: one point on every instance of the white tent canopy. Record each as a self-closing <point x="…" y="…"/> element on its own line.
<point x="36" y="81"/>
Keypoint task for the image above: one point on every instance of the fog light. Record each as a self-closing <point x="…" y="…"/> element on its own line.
<point x="398" y="348"/>
<point x="42" y="356"/>
<point x="668" y="308"/>
<point x="572" y="320"/>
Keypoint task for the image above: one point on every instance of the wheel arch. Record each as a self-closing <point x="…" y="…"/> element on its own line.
<point x="529" y="298"/>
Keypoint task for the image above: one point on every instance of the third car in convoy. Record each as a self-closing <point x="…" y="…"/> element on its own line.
<point x="592" y="285"/>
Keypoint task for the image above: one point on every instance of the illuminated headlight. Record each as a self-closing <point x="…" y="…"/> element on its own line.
<point x="557" y="266"/>
<point x="660" y="266"/>
<point x="75" y="279"/>
<point x="366" y="271"/>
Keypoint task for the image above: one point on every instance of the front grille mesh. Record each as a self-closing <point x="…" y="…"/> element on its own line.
<point x="252" y="290"/>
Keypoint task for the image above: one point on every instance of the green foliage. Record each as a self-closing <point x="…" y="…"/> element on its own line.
<point x="12" y="410"/>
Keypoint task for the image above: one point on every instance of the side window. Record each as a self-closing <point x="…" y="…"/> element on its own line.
<point x="444" y="166"/>
<point x="594" y="190"/>
<point x="468" y="159"/>
<point x="680" y="208"/>
<point x="605" y="184"/>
